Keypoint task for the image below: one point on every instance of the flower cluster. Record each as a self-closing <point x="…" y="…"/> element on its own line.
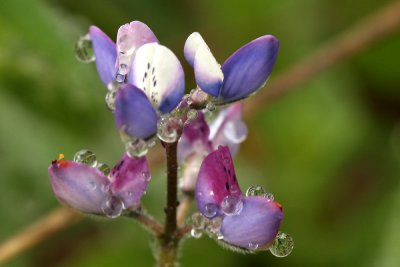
<point x="146" y="93"/>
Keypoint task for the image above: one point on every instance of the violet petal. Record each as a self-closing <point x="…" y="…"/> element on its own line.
<point x="79" y="186"/>
<point x="129" y="180"/>
<point x="256" y="226"/>
<point x="248" y="68"/>
<point x="216" y="179"/>
<point x="105" y="54"/>
<point x="134" y="114"/>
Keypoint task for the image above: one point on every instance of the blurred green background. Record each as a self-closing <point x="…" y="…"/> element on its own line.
<point x="330" y="151"/>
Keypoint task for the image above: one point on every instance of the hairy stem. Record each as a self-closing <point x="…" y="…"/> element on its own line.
<point x="147" y="221"/>
<point x="169" y="241"/>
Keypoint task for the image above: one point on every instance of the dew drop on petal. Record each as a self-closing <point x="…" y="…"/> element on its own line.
<point x="86" y="157"/>
<point x="255" y="190"/>
<point x="210" y="210"/>
<point x="114" y="85"/>
<point x="253" y="245"/>
<point x="110" y="99"/>
<point x="112" y="207"/>
<point x="198" y="221"/>
<point x="123" y="69"/>
<point x="235" y="131"/>
<point x="282" y="246"/>
<point x="231" y="205"/>
<point x="269" y="196"/>
<point x="146" y="176"/>
<point x="167" y="129"/>
<point x="196" y="233"/>
<point x="214" y="226"/>
<point x="84" y="49"/>
<point x="120" y="77"/>
<point x="104" y="168"/>
<point x="136" y="148"/>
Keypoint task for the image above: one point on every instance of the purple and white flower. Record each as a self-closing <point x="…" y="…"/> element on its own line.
<point x="199" y="139"/>
<point x="243" y="73"/>
<point x="87" y="189"/>
<point x="151" y="77"/>
<point x="251" y="222"/>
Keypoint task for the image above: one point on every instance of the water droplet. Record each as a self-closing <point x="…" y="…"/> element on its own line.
<point x="86" y="157"/>
<point x="123" y="69"/>
<point x="196" y="233"/>
<point x="210" y="210"/>
<point x="92" y="185"/>
<point x="198" y="221"/>
<point x="192" y="114"/>
<point x="104" y="168"/>
<point x="136" y="148"/>
<point x="112" y="207"/>
<point x="110" y="99"/>
<point x="114" y="85"/>
<point x="231" y="205"/>
<point x="210" y="106"/>
<point x="214" y="226"/>
<point x="282" y="246"/>
<point x="253" y="245"/>
<point x="84" y="49"/>
<point x="120" y="77"/>
<point x="146" y="176"/>
<point x="269" y="196"/>
<point x="255" y="190"/>
<point x="168" y="129"/>
<point x="235" y="131"/>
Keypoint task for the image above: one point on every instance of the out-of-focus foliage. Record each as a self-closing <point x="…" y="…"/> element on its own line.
<point x="330" y="151"/>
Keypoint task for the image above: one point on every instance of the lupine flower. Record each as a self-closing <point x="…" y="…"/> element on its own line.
<point x="87" y="189"/>
<point x="199" y="139"/>
<point x="248" y="222"/>
<point x="150" y="76"/>
<point x="245" y="71"/>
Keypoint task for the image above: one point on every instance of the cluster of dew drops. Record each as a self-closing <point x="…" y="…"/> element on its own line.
<point x="231" y="206"/>
<point x="168" y="127"/>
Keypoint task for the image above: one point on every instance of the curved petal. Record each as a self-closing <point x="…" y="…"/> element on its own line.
<point x="134" y="114"/>
<point x="130" y="37"/>
<point x="133" y="35"/>
<point x="216" y="180"/>
<point x="129" y="180"/>
<point x="228" y="129"/>
<point x="248" y="68"/>
<point x="194" y="137"/>
<point x="158" y="72"/>
<point x="79" y="186"/>
<point x="207" y="71"/>
<point x="193" y="42"/>
<point x="256" y="226"/>
<point x="105" y="54"/>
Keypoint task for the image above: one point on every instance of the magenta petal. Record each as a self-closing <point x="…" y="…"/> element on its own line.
<point x="256" y="226"/>
<point x="194" y="137"/>
<point x="129" y="180"/>
<point x="79" y="186"/>
<point x="216" y="180"/>
<point x="228" y="129"/>
<point x="105" y="54"/>
<point x="248" y="68"/>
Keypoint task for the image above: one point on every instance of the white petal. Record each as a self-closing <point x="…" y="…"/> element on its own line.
<point x="193" y="42"/>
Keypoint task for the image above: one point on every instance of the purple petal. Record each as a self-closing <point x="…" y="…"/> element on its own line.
<point x="79" y="186"/>
<point x="228" y="129"/>
<point x="158" y="72"/>
<point x="105" y="54"/>
<point x="130" y="178"/>
<point x="134" y="114"/>
<point x="216" y="180"/>
<point x="194" y="137"/>
<point x="133" y="35"/>
<point x="248" y="68"/>
<point x="256" y="226"/>
<point x="207" y="72"/>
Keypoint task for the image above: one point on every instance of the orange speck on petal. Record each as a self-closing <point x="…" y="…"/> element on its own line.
<point x="61" y="156"/>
